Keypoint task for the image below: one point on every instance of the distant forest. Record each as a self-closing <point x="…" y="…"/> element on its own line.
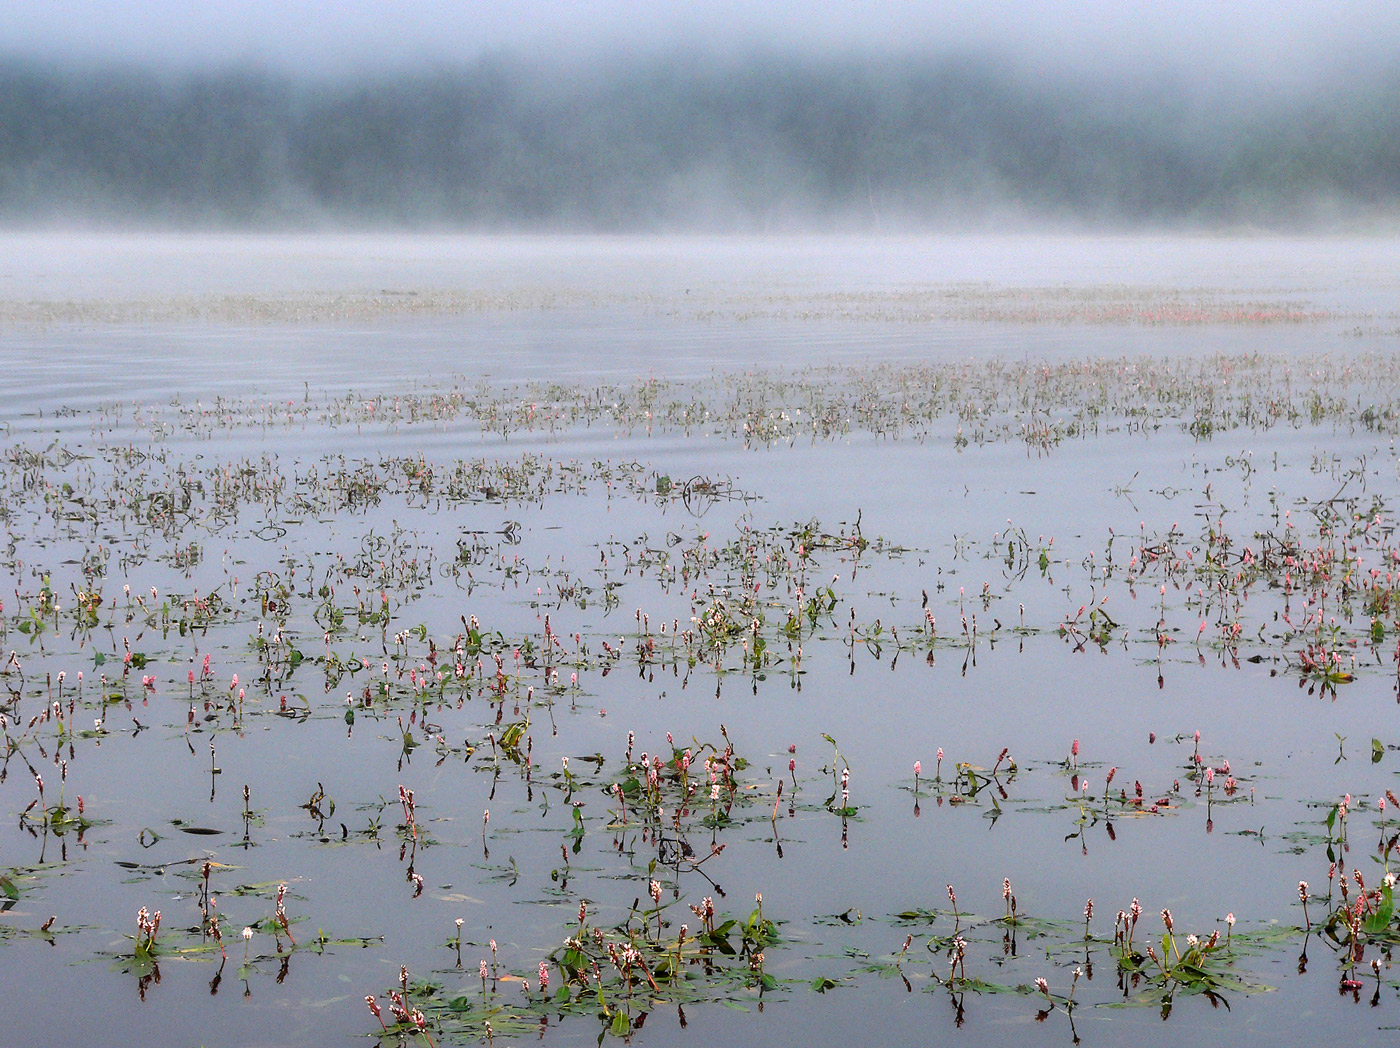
<point x="762" y="142"/>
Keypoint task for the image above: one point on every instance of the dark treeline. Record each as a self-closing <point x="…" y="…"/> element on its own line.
<point x="764" y="142"/>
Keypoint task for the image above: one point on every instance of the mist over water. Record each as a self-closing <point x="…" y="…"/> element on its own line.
<point x="754" y="139"/>
<point x="406" y="400"/>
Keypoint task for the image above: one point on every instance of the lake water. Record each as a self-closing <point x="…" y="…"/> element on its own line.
<point x="432" y="500"/>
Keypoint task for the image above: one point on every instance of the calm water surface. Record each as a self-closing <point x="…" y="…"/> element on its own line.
<point x="173" y="383"/>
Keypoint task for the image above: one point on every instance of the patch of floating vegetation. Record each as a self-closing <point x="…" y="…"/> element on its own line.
<point x="1106" y="304"/>
<point x="1088" y="304"/>
<point x="1040" y="405"/>
<point x="451" y="622"/>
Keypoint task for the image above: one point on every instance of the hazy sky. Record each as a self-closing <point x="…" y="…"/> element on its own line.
<point x="1277" y="40"/>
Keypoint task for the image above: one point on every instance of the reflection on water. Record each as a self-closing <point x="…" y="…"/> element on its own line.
<point x="970" y="495"/>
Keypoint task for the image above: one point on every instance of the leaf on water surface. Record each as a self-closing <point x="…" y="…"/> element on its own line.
<point x="917" y="915"/>
<point x="982" y="986"/>
<point x="139" y="966"/>
<point x="8" y="888"/>
<point x="1233" y="983"/>
<point x="1270" y="936"/>
<point x="364" y="942"/>
<point x="260" y="888"/>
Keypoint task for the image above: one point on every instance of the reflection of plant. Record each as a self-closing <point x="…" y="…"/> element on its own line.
<point x="278" y="924"/>
<point x="1323" y="659"/>
<point x="1148" y="973"/>
<point x="657" y="782"/>
<point x="57" y="817"/>
<point x="147" y="927"/>
<point x="616" y="974"/>
<point x="1042" y="987"/>
<point x="1367" y="920"/>
<point x="722" y="622"/>
<point x="1204" y="966"/>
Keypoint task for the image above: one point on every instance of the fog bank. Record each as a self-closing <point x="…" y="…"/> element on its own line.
<point x="756" y="140"/>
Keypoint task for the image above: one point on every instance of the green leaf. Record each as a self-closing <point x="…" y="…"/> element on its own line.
<point x="1377" y="751"/>
<point x="1379" y="921"/>
<point x="821" y="984"/>
<point x="621" y="1024"/>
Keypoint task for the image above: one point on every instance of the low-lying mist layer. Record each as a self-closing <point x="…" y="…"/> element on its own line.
<point x="756" y="142"/>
